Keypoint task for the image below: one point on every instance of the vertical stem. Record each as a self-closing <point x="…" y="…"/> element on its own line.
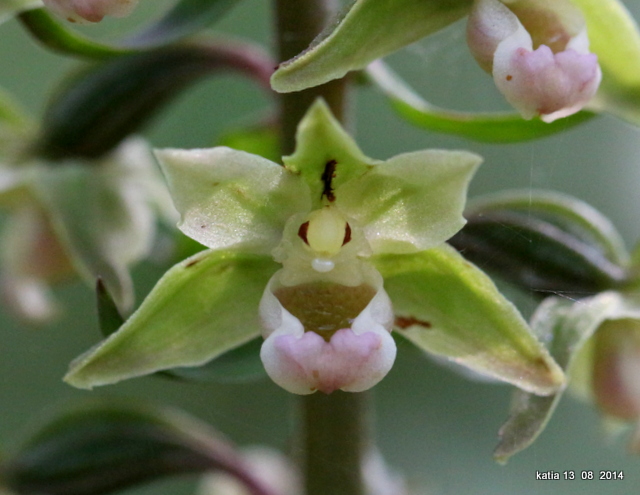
<point x="333" y="430"/>
<point x="335" y="436"/>
<point x="297" y="23"/>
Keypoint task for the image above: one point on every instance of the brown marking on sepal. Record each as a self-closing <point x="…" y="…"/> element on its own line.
<point x="193" y="262"/>
<point x="404" y="322"/>
<point x="327" y="178"/>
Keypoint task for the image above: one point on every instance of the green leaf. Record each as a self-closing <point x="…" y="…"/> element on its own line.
<point x="104" y="447"/>
<point x="483" y="127"/>
<point x="57" y="37"/>
<point x="614" y="36"/>
<point x="104" y="104"/>
<point x="369" y="30"/>
<point x="186" y="18"/>
<point x="201" y="308"/>
<point x="565" y="326"/>
<point x="544" y="241"/>
<point x="448" y="307"/>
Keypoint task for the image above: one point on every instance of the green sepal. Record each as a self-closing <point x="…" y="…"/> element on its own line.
<point x="106" y="446"/>
<point x="370" y="29"/>
<point x="105" y="103"/>
<point x="240" y="364"/>
<point x="321" y="140"/>
<point x="614" y="36"/>
<point x="565" y="326"/>
<point x="202" y="307"/>
<point x="544" y="241"/>
<point x="111" y="230"/>
<point x="448" y="307"/>
<point x="483" y="127"/>
<point x="186" y="18"/>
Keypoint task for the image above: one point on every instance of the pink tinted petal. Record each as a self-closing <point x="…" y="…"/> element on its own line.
<point x="348" y="361"/>
<point x="542" y="83"/>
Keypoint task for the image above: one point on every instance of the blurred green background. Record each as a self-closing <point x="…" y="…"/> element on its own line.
<point x="435" y="426"/>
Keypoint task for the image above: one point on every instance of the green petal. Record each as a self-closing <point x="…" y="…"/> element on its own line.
<point x="411" y="202"/>
<point x="102" y="216"/>
<point x="483" y="127"/>
<point x="200" y="308"/>
<point x="615" y="38"/>
<point x="228" y="198"/>
<point x="567" y="326"/>
<point x="448" y="307"/>
<point x="324" y="148"/>
<point x="370" y="29"/>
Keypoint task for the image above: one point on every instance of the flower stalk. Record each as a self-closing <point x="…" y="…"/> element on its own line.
<point x="332" y="427"/>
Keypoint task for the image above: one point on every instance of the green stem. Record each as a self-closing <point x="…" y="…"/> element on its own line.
<point x="335" y="437"/>
<point x="298" y="23"/>
<point x="333" y="431"/>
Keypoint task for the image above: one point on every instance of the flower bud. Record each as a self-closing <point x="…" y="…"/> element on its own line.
<point x="538" y="53"/>
<point x="83" y="11"/>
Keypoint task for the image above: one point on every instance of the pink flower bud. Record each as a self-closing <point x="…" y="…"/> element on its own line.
<point x="82" y="11"/>
<point x="538" y="53"/>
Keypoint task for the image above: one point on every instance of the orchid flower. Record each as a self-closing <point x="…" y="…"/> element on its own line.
<point x="321" y="233"/>
<point x="557" y="78"/>
<point x="83" y="11"/>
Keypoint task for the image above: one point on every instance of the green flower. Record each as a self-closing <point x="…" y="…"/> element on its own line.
<point x="298" y="253"/>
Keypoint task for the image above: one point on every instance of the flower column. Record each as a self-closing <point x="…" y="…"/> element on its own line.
<point x="333" y="428"/>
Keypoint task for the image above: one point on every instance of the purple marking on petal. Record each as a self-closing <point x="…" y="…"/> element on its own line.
<point x="540" y="82"/>
<point x="346" y="360"/>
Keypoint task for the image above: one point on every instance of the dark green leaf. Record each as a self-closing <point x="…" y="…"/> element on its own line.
<point x="485" y="127"/>
<point x="544" y="242"/>
<point x="104" y="104"/>
<point x="107" y="447"/>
